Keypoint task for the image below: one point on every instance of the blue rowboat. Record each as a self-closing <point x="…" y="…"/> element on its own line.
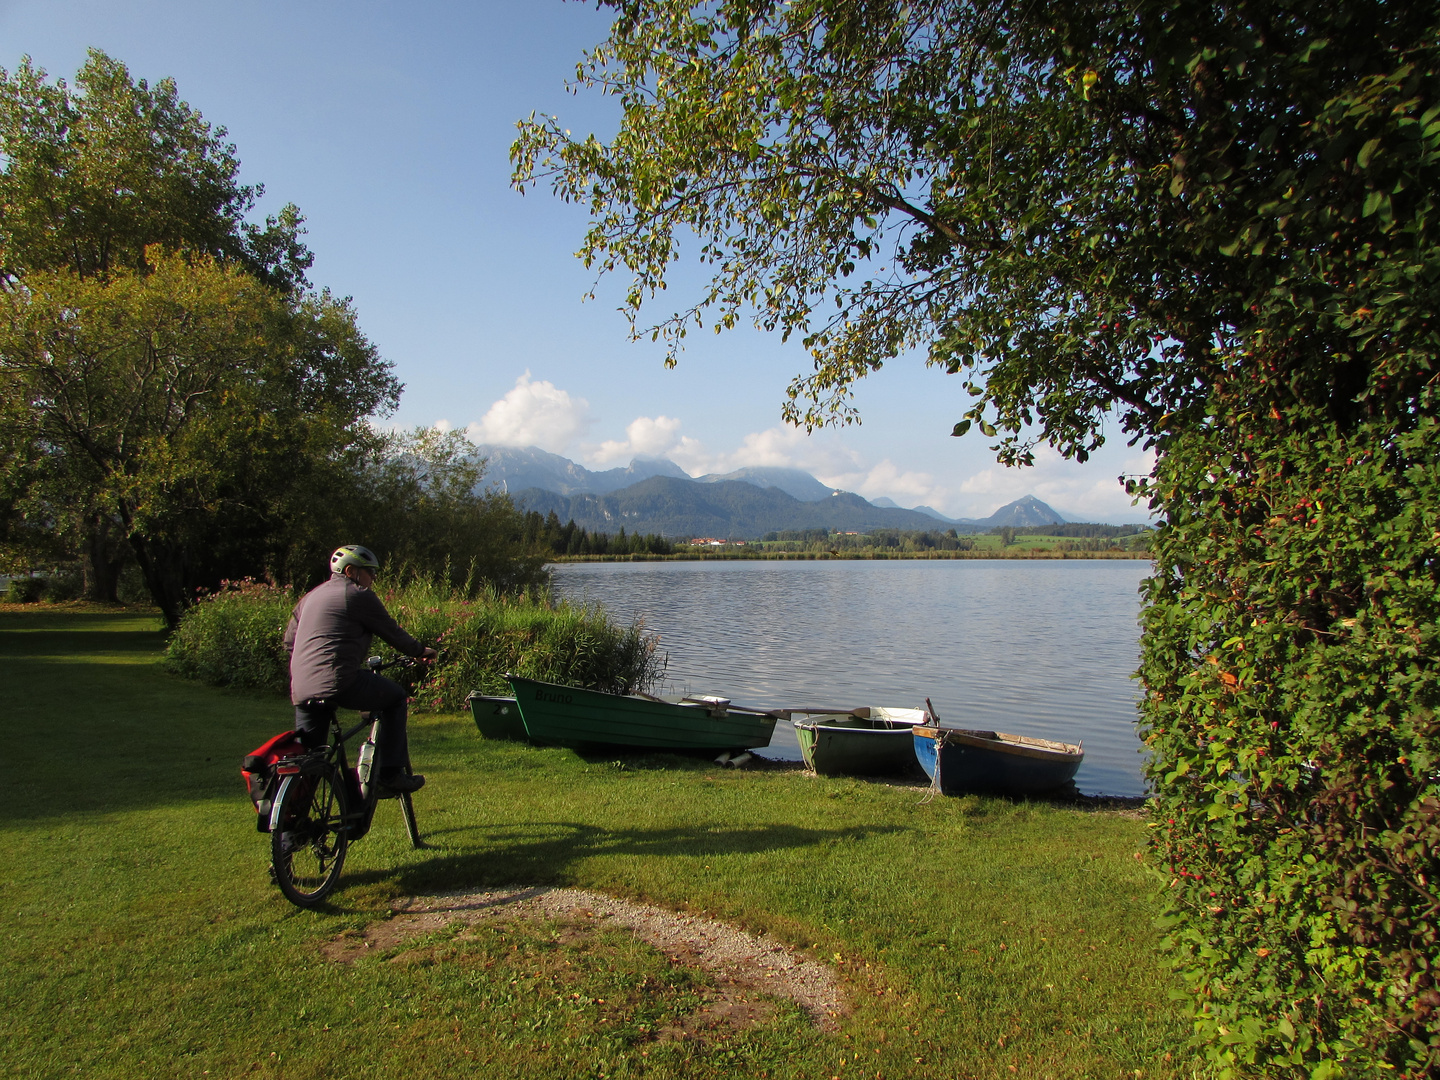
<point x="960" y="761"/>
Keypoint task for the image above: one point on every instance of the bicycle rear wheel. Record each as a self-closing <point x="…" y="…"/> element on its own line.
<point x="308" y="843"/>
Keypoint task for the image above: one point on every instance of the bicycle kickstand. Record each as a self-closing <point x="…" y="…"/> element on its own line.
<point x="407" y="807"/>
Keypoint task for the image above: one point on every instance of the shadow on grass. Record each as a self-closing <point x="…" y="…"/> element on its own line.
<point x="627" y="758"/>
<point x="41" y="645"/>
<point x="83" y="619"/>
<point x="542" y="853"/>
<point x="97" y="728"/>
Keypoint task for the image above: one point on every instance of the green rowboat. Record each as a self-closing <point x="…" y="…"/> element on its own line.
<point x="861" y="742"/>
<point x="496" y="717"/>
<point x="570" y="716"/>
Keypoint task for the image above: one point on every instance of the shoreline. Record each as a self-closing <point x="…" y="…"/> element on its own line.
<point x="829" y="556"/>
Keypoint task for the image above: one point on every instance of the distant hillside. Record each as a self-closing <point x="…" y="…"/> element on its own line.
<point x="739" y="505"/>
<point x="517" y="468"/>
<point x="1026" y="511"/>
<point x="731" y="509"/>
<point x="794" y="482"/>
<point x="939" y="516"/>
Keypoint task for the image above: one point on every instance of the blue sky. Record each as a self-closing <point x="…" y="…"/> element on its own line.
<point x="390" y="124"/>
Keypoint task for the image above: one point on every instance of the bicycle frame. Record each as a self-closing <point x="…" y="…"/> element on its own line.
<point x="364" y="797"/>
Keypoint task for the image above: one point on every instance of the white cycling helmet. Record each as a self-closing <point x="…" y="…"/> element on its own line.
<point x="353" y="555"/>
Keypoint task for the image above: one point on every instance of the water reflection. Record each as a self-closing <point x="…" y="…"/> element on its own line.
<point x="1037" y="647"/>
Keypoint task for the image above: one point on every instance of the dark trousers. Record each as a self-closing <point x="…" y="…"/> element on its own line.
<point x="371" y="693"/>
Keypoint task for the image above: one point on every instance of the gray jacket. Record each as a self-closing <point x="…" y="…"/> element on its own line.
<point x="328" y="637"/>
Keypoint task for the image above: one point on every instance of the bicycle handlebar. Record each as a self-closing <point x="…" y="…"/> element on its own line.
<point x="376" y="664"/>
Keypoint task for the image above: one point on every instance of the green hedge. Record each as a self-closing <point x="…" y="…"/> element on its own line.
<point x="234" y="638"/>
<point x="1289" y="659"/>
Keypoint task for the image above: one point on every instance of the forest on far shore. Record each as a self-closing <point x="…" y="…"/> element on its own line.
<point x="571" y="541"/>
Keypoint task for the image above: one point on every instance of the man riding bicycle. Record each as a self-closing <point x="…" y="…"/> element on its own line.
<point x="328" y="639"/>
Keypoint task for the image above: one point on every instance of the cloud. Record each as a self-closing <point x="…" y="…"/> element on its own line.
<point x="786" y="447"/>
<point x="533" y="414"/>
<point x="889" y="480"/>
<point x="653" y="437"/>
<point x="827" y="457"/>
<point x="1088" y="492"/>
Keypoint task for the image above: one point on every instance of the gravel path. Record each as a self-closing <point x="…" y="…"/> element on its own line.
<point x="743" y="963"/>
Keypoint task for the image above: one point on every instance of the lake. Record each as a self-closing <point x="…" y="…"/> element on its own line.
<point x="1036" y="647"/>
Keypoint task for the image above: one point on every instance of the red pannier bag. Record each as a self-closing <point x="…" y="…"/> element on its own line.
<point x="257" y="768"/>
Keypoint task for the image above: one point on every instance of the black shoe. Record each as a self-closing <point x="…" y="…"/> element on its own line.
<point x="402" y="783"/>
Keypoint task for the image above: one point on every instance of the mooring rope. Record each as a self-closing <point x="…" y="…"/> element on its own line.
<point x="935" y="776"/>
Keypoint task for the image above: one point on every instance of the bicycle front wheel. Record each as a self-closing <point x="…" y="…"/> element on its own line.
<point x="309" y="839"/>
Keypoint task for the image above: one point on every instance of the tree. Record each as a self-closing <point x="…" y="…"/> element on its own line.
<point x="93" y="179"/>
<point x="95" y="175"/>
<point x="1216" y="222"/>
<point x="420" y="503"/>
<point x="175" y="394"/>
<point x="1052" y="198"/>
<point x="172" y="406"/>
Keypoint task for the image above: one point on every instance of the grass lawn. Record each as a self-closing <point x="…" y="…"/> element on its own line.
<point x="142" y="938"/>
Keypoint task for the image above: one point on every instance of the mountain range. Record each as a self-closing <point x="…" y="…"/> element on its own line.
<point x="530" y="467"/>
<point x="657" y="496"/>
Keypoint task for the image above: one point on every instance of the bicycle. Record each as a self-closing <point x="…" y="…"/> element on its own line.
<point x="323" y="806"/>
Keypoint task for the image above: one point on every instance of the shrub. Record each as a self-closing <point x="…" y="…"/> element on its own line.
<point x="25" y="590"/>
<point x="67" y="583"/>
<point x="528" y="634"/>
<point x="234" y="638"/>
<point x="131" y="588"/>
